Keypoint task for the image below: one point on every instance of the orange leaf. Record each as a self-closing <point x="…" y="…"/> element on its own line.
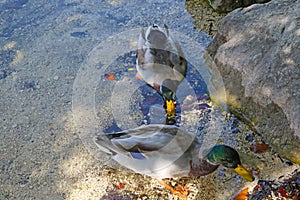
<point x="242" y="195"/>
<point x="259" y="148"/>
<point x="110" y="76"/>
<point x="120" y="186"/>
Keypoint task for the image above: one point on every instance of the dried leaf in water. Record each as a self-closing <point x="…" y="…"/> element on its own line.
<point x="110" y="76"/>
<point x="242" y="195"/>
<point x="259" y="148"/>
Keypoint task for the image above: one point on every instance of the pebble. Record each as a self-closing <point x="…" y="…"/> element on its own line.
<point x="69" y="78"/>
<point x="43" y="105"/>
<point x="55" y="78"/>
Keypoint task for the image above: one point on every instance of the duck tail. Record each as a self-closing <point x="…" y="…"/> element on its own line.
<point x="104" y="144"/>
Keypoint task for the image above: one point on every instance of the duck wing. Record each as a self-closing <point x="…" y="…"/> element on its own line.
<point x="160" y="57"/>
<point x="146" y="140"/>
<point x="150" y="149"/>
<point x="141" y="51"/>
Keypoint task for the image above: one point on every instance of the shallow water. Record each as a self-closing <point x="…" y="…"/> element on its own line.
<point x="55" y="97"/>
<point x="145" y="98"/>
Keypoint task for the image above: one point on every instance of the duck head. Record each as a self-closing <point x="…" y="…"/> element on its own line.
<point x="169" y="99"/>
<point x="156" y="36"/>
<point x="167" y="90"/>
<point x="228" y="157"/>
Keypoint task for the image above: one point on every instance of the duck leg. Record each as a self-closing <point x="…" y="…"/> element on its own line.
<point x="181" y="192"/>
<point x="138" y="76"/>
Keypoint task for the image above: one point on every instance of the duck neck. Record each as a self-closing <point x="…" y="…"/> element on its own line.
<point x="201" y="168"/>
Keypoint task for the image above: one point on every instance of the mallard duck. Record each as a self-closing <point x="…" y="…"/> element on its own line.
<point x="161" y="63"/>
<point x="166" y="151"/>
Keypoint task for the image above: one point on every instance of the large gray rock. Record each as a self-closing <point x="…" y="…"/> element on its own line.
<point x="230" y="5"/>
<point x="257" y="52"/>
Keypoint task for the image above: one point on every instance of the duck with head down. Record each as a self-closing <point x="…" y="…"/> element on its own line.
<point x="161" y="63"/>
<point x="164" y="151"/>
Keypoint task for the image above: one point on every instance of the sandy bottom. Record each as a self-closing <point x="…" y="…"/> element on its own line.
<point x="42" y="156"/>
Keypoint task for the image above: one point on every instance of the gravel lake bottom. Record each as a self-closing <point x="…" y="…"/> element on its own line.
<point x="44" y="45"/>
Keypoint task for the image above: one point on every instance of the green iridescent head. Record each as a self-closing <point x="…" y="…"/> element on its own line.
<point x="228" y="157"/>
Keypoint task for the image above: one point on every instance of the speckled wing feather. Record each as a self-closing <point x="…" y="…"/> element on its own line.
<point x="148" y="140"/>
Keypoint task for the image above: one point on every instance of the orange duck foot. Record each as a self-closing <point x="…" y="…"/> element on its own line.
<point x="181" y="192"/>
<point x="138" y="76"/>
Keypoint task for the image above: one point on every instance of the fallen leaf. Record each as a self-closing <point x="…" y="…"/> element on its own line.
<point x="181" y="192"/>
<point x="259" y="148"/>
<point x="9" y="46"/>
<point x="295" y="197"/>
<point x="258" y="187"/>
<point x="242" y="195"/>
<point x="283" y="192"/>
<point x="110" y="76"/>
<point x="120" y="186"/>
<point x="141" y="187"/>
<point x="18" y="57"/>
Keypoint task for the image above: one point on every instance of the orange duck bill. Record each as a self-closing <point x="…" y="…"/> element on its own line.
<point x="243" y="172"/>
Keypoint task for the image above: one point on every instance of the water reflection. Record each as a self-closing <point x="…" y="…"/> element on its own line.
<point x="145" y="100"/>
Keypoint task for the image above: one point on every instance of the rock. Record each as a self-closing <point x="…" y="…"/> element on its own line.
<point x="230" y="5"/>
<point x="257" y="52"/>
<point x="206" y="19"/>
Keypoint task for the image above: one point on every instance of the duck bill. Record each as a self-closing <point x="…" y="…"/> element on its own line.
<point x="244" y="173"/>
<point x="170" y="104"/>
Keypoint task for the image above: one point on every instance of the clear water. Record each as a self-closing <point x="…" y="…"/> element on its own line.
<point x="53" y="59"/>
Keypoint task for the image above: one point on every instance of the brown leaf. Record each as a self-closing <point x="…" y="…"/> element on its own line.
<point x="283" y="192"/>
<point x="295" y="197"/>
<point x="259" y="148"/>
